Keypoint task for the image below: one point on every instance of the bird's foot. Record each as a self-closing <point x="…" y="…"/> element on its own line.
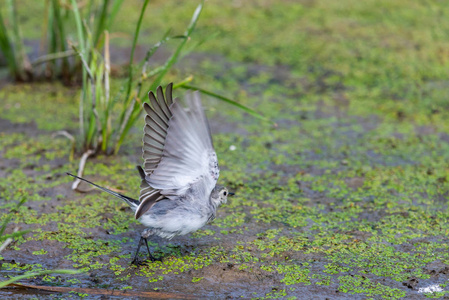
<point x="137" y="262"/>
<point x="153" y="259"/>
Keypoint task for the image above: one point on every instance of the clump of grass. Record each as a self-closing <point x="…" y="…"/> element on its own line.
<point x="11" y="44"/>
<point x="98" y="131"/>
<point x="57" y="60"/>
<point x="100" y="128"/>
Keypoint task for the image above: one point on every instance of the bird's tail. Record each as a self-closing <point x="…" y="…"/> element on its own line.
<point x="133" y="203"/>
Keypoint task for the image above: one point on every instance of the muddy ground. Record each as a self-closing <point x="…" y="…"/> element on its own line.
<point x="327" y="205"/>
<point x="345" y="198"/>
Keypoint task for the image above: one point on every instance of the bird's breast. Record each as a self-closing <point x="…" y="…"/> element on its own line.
<point x="176" y="222"/>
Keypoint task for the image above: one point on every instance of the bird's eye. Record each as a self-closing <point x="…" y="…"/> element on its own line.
<point x="225" y="193"/>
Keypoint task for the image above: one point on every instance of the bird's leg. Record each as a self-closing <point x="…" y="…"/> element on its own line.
<point x="144" y="236"/>
<point x="135" y="261"/>
<point x="152" y="258"/>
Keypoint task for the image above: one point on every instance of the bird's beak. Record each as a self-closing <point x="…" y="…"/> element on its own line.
<point x="231" y="194"/>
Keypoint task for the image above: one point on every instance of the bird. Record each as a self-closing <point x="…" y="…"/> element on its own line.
<point x="178" y="190"/>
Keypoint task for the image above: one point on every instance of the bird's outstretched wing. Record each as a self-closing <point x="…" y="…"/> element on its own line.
<point x="177" y="151"/>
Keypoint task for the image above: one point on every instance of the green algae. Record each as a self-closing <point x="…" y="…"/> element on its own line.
<point x="348" y="193"/>
<point x="57" y="104"/>
<point x="402" y="194"/>
<point x="294" y="273"/>
<point x="356" y="284"/>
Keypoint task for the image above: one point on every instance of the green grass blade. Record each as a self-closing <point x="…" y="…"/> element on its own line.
<point x="133" y="48"/>
<point x="7" y="47"/>
<point x="52" y="56"/>
<point x="79" y="26"/>
<point x="90" y="131"/>
<point x="184" y="82"/>
<point x="5" y="223"/>
<point x="51" y="42"/>
<point x="144" y="64"/>
<point x="88" y="12"/>
<point x="128" y="99"/>
<point x="40" y="273"/>
<point x="10" y="215"/>
<point x="23" y="65"/>
<point x="114" y="10"/>
<point x="174" y="58"/>
<point x="83" y="98"/>
<point x="44" y="30"/>
<point x="60" y="39"/>
<point x="133" y="113"/>
<point x="198" y="43"/>
<point x="14" y="235"/>
<point x="165" y="38"/>
<point x="107" y="100"/>
<point x="60" y="26"/>
<point x="101" y="23"/>
<point x="227" y="100"/>
<point x="194" y="19"/>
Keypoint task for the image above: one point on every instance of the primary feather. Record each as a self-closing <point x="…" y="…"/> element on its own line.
<point x="179" y="157"/>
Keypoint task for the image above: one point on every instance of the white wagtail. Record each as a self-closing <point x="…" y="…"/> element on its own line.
<point x="178" y="192"/>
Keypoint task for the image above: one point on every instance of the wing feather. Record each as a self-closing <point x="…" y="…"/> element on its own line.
<point x="188" y="148"/>
<point x="163" y="105"/>
<point x="157" y="110"/>
<point x="155" y="120"/>
<point x="168" y="94"/>
<point x="178" y="151"/>
<point x="155" y="133"/>
<point x="150" y="195"/>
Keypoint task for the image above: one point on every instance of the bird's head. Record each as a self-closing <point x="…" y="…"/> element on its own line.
<point x="220" y="195"/>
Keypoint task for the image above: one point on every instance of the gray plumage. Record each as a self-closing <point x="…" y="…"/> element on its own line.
<point x="178" y="192"/>
<point x="180" y="167"/>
